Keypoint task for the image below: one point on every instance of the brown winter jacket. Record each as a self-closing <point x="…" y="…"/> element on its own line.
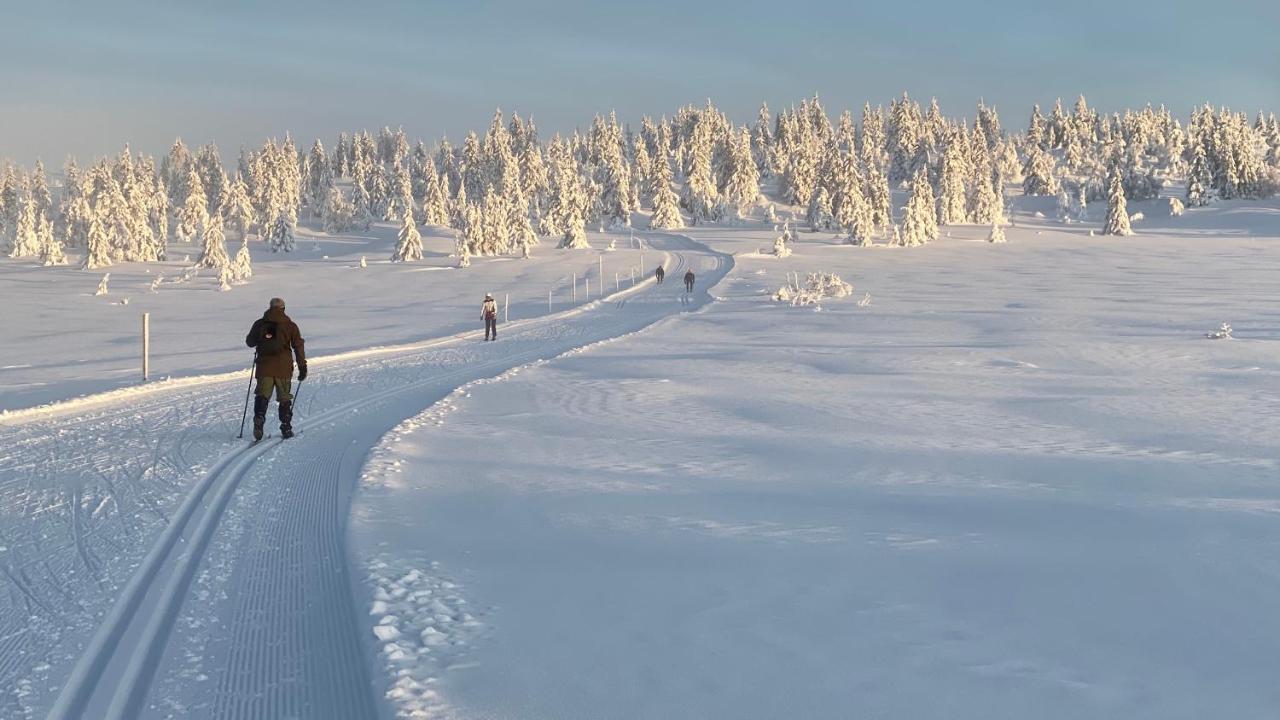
<point x="279" y="365"/>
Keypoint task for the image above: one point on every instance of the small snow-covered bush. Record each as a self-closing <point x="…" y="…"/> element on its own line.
<point x="102" y="284"/>
<point x="817" y="287"/>
<point x="1222" y="333"/>
<point x="1136" y="217"/>
<point x="1176" y="208"/>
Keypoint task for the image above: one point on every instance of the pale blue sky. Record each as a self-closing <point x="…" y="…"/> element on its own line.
<point x="84" y="78"/>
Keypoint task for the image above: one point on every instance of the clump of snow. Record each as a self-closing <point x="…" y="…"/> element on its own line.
<point x="817" y="287"/>
<point x="424" y="625"/>
<point x="1176" y="208"/>
<point x="102" y="285"/>
<point x="1222" y="333"/>
<point x="1136" y="217"/>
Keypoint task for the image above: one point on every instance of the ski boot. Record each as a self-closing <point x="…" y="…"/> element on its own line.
<point x="286" y="419"/>
<point x="259" y="415"/>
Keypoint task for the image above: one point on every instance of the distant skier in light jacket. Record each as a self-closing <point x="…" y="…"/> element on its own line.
<point x="489" y="313"/>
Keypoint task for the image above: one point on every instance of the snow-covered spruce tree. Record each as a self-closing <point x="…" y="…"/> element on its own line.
<point x="408" y="241"/>
<point x="194" y="212"/>
<point x="984" y="203"/>
<point x="1038" y="175"/>
<point x="666" y="204"/>
<point x="701" y="198"/>
<point x="362" y="212"/>
<point x="879" y="199"/>
<point x="242" y="266"/>
<point x="1117" y="213"/>
<point x="435" y="205"/>
<point x="818" y="214"/>
<point x="279" y="234"/>
<point x="237" y="209"/>
<point x="214" y="253"/>
<point x="26" y="244"/>
<point x="50" y="246"/>
<point x="919" y="221"/>
<point x="97" y="244"/>
<point x="401" y="195"/>
<point x="574" y="218"/>
<point x="997" y="234"/>
<point x="338" y="212"/>
<point x="742" y="186"/>
<point x="40" y="189"/>
<point x="952" y="203"/>
<point x="615" y="189"/>
<point x="1198" y="178"/>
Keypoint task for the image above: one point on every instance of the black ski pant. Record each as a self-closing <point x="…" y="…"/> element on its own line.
<point x="688" y="286"/>
<point x="491" y="328"/>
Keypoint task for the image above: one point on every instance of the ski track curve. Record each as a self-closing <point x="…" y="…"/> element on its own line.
<point x="291" y="645"/>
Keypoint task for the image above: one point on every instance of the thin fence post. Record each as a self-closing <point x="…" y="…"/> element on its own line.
<point x="600" y="274"/>
<point x="548" y="302"/>
<point x="575" y="287"/>
<point x="146" y="346"/>
<point x="506" y="307"/>
<point x="617" y="285"/>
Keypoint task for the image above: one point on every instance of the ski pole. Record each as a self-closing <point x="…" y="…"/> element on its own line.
<point x="247" y="393"/>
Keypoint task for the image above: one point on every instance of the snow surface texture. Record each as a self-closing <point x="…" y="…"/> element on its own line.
<point x="1018" y="485"/>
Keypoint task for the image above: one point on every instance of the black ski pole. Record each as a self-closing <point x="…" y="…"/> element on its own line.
<point x="247" y="393"/>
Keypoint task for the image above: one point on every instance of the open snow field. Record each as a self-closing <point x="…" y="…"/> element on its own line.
<point x="66" y="341"/>
<point x="1018" y="483"/>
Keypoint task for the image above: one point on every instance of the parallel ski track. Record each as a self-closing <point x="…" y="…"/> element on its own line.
<point x="201" y="518"/>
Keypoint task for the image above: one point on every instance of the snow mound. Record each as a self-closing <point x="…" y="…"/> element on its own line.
<point x="817" y="287"/>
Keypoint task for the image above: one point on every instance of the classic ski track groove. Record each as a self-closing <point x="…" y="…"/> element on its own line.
<point x="348" y="693"/>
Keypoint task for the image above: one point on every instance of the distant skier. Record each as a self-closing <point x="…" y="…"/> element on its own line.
<point x="659" y="274"/>
<point x="278" y="341"/>
<point x="489" y="312"/>
<point x="688" y="282"/>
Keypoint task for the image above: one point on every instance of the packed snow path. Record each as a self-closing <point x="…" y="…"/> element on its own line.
<point x="259" y="536"/>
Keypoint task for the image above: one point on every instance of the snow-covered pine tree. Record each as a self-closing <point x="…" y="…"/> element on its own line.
<point x="237" y="208"/>
<point x="362" y="211"/>
<point x="408" y="240"/>
<point x="194" y="212"/>
<point x="879" y="198"/>
<point x="742" y="186"/>
<point x="919" y="222"/>
<point x="435" y="205"/>
<point x="214" y="252"/>
<point x="242" y="266"/>
<point x="574" y="217"/>
<point x="50" y="246"/>
<point x="97" y="244"/>
<point x="1198" y="178"/>
<point x="818" y="214"/>
<point x="1039" y="173"/>
<point x="701" y="197"/>
<point x="338" y="213"/>
<point x="26" y="244"/>
<point x="1117" y="212"/>
<point x="40" y="190"/>
<point x="279" y="234"/>
<point x="952" y="203"/>
<point x="997" y="234"/>
<point x="984" y="203"/>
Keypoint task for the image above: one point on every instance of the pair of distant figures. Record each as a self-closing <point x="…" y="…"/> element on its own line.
<point x="661" y="274"/>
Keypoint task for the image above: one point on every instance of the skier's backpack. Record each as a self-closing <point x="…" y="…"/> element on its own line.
<point x="270" y="340"/>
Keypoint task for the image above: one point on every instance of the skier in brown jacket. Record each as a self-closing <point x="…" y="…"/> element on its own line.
<point x="278" y="341"/>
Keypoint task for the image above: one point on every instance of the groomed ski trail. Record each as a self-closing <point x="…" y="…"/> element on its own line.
<point x="290" y="646"/>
